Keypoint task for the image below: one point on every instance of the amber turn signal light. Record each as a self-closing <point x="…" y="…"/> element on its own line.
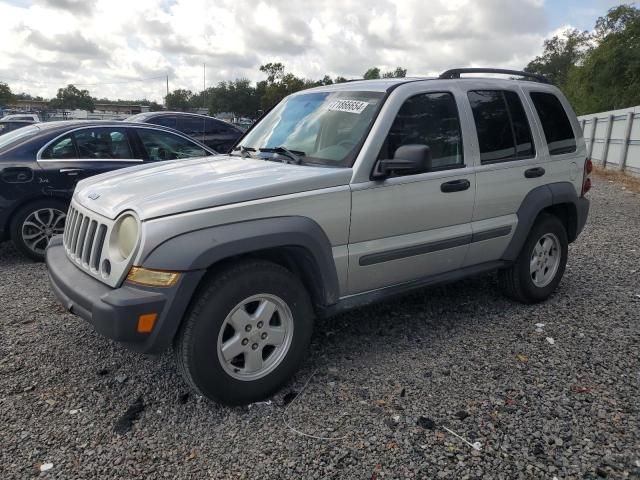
<point x="146" y="322"/>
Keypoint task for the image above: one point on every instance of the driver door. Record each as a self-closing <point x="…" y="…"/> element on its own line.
<point x="409" y="227"/>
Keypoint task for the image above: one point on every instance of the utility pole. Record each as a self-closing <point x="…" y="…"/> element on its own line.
<point x="166" y="98"/>
<point x="204" y="85"/>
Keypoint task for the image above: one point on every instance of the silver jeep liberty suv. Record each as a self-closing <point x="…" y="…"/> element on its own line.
<point x="339" y="196"/>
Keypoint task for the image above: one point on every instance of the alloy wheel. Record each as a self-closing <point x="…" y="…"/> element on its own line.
<point x="255" y="337"/>
<point x="40" y="226"/>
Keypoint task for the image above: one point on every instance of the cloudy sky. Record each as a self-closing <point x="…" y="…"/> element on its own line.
<point x="124" y="48"/>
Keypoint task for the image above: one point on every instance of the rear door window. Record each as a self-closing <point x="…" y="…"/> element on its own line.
<point x="503" y="130"/>
<point x="555" y="123"/>
<point x="167" y="146"/>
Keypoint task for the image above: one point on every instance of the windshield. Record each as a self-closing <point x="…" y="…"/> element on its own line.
<point x="320" y="127"/>
<point x="15" y="136"/>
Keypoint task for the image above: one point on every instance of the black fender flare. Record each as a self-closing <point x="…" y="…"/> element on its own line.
<point x="299" y="237"/>
<point x="537" y="200"/>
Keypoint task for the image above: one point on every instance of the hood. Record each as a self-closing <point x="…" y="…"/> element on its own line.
<point x="167" y="188"/>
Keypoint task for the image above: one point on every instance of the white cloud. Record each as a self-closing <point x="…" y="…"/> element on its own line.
<point x="54" y="42"/>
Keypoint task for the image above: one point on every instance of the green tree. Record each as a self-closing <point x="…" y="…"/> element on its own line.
<point x="6" y="96"/>
<point x="399" y="72"/>
<point x="237" y="96"/>
<point x="608" y="78"/>
<point x="278" y="84"/>
<point x="274" y="71"/>
<point x="179" y="100"/>
<point x="372" y="73"/>
<point x="560" y="54"/>
<point x="340" y="79"/>
<point x="73" y="98"/>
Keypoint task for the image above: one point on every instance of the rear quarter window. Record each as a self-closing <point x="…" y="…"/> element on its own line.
<point x="555" y="123"/>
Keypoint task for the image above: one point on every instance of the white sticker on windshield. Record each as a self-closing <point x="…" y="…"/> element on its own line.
<point x="350" y="106"/>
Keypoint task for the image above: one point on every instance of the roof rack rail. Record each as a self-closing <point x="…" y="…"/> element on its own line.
<point x="455" y="73"/>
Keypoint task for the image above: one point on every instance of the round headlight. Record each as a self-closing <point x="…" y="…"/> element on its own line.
<point x="126" y="235"/>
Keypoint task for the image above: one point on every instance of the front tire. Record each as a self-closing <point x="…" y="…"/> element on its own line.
<point x="245" y="334"/>
<point x="537" y="271"/>
<point x="33" y="226"/>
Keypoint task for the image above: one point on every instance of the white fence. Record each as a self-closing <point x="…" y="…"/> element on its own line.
<point x="613" y="138"/>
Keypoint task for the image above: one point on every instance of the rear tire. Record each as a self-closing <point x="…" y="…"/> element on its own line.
<point x="33" y="226"/>
<point x="537" y="271"/>
<point x="245" y="334"/>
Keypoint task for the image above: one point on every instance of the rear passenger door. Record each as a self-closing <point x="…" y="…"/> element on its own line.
<point x="509" y="167"/>
<point x="413" y="226"/>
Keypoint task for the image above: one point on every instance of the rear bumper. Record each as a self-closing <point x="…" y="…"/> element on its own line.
<point x="114" y="312"/>
<point x="582" y="209"/>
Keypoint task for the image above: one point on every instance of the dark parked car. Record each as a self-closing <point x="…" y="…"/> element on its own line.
<point x="214" y="133"/>
<point x="40" y="165"/>
<point x="7" y="126"/>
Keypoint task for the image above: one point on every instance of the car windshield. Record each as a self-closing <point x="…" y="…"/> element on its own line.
<point x="318" y="128"/>
<point x="11" y="138"/>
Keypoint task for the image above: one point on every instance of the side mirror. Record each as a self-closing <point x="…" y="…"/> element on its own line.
<point x="407" y="160"/>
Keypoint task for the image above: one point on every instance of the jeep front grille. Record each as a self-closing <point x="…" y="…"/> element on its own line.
<point x="84" y="238"/>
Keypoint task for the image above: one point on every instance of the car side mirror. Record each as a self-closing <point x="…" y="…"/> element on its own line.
<point x="407" y="160"/>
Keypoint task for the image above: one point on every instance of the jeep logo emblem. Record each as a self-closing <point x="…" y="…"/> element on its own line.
<point x="94" y="196"/>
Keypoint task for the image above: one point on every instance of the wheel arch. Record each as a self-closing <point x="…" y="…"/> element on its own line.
<point x="558" y="199"/>
<point x="296" y="243"/>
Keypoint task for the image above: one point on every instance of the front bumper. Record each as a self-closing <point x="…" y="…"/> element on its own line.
<point x="114" y="312"/>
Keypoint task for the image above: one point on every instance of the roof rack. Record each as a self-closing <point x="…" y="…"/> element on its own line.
<point x="455" y="73"/>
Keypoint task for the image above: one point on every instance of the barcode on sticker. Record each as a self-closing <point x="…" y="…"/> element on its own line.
<point x="350" y="106"/>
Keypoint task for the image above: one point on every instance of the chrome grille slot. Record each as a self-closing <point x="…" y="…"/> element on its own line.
<point x="88" y="243"/>
<point x="73" y="213"/>
<point x="94" y="262"/>
<point x="81" y="236"/>
<point x="76" y="231"/>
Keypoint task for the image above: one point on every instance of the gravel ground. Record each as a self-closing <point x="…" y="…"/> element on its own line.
<point x="384" y="383"/>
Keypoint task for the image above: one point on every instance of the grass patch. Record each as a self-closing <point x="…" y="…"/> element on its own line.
<point x="629" y="182"/>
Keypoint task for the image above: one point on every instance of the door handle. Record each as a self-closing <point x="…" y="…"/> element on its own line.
<point x="534" y="172"/>
<point x="71" y="171"/>
<point x="455" y="186"/>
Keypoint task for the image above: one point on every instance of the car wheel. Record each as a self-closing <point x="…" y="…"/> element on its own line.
<point x="245" y="334"/>
<point x="539" y="268"/>
<point x="33" y="226"/>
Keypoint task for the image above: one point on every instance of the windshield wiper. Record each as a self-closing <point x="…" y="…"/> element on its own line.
<point x="296" y="155"/>
<point x="245" y="151"/>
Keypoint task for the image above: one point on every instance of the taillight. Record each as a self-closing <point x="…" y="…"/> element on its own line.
<point x="586" y="180"/>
